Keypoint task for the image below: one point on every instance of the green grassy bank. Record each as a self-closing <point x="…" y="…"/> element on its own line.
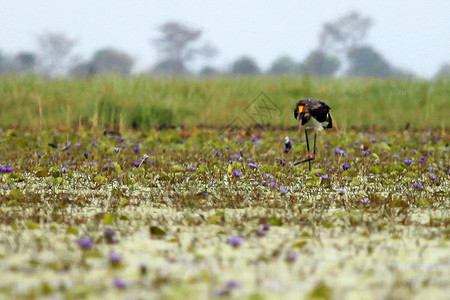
<point x="37" y="103"/>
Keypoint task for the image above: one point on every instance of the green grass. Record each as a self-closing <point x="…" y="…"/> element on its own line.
<point x="34" y="103"/>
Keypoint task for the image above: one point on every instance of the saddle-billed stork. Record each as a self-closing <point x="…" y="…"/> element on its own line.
<point x="312" y="114"/>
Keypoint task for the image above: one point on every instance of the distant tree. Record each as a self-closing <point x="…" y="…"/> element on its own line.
<point x="245" y="65"/>
<point x="365" y="61"/>
<point x="176" y="47"/>
<point x="318" y="63"/>
<point x="6" y="64"/>
<point x="444" y="71"/>
<point x="110" y="60"/>
<point x="82" y="69"/>
<point x="208" y="71"/>
<point x="54" y="52"/>
<point x="346" y="33"/>
<point x="286" y="65"/>
<point x="169" y="67"/>
<point x="25" y="61"/>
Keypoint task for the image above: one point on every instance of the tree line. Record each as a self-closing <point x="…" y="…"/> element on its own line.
<point x="341" y="50"/>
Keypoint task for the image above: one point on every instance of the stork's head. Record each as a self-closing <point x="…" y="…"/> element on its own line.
<point x="299" y="111"/>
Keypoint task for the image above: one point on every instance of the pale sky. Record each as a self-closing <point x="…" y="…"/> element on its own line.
<point x="411" y="34"/>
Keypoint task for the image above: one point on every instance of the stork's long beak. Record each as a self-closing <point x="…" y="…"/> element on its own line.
<point x="301" y="112"/>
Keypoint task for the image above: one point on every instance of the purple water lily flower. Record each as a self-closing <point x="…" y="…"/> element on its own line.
<point x="120" y="283"/>
<point x="291" y="257"/>
<point x="115" y="258"/>
<point x="233" y="284"/>
<point x="407" y="161"/>
<point x="235" y="241"/>
<point x="85" y="243"/>
<point x="418" y="186"/>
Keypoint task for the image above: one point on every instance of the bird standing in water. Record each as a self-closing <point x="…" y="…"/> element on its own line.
<point x="312" y="114"/>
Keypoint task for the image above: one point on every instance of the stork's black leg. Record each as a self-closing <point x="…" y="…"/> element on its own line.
<point x="307" y="142"/>
<point x="307" y="147"/>
<point x="315" y="135"/>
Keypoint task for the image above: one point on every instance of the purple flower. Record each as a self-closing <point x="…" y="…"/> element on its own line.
<point x="364" y="152"/>
<point x="373" y="140"/>
<point x="256" y="142"/>
<point x="115" y="258"/>
<point x="235" y="241"/>
<point x="273" y="184"/>
<point x="432" y="176"/>
<point x="270" y="176"/>
<point x="136" y="164"/>
<point x="109" y="234"/>
<point x="237" y="173"/>
<point x="218" y="154"/>
<point x="421" y="160"/>
<point x="395" y="156"/>
<point x="205" y="194"/>
<point x="64" y="170"/>
<point x="135" y="148"/>
<point x="233" y="284"/>
<point x="339" y="151"/>
<point x="116" y="149"/>
<point x="39" y="155"/>
<point x="345" y="166"/>
<point x="283" y="162"/>
<point x="325" y="176"/>
<point x="418" y="186"/>
<point x="266" y="227"/>
<point x="191" y="168"/>
<point x="341" y="191"/>
<point x="260" y="233"/>
<point x="95" y="144"/>
<point x="85" y="243"/>
<point x="92" y="163"/>
<point x="182" y="141"/>
<point x="291" y="257"/>
<point x="6" y="169"/>
<point x="252" y="165"/>
<point x="407" y="162"/>
<point x="234" y="156"/>
<point x="286" y="150"/>
<point x="365" y="200"/>
<point x="413" y="151"/>
<point x="283" y="190"/>
<point x="86" y="155"/>
<point x="120" y="283"/>
<point x="255" y="182"/>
